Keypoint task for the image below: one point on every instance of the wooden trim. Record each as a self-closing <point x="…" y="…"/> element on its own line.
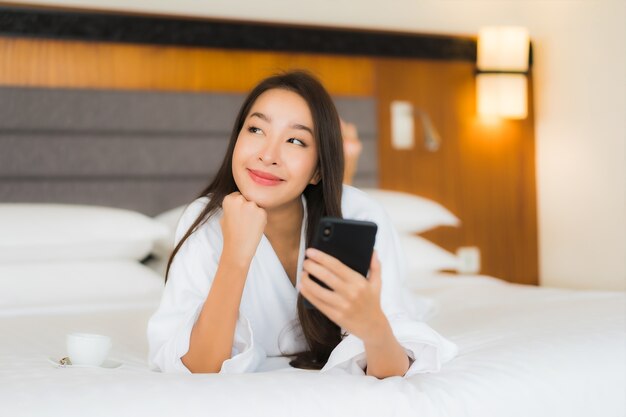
<point x="101" y="65"/>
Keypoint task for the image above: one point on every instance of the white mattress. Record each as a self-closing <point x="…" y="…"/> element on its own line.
<point x="524" y="351"/>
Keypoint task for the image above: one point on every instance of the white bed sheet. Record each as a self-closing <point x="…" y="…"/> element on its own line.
<point x="524" y="351"/>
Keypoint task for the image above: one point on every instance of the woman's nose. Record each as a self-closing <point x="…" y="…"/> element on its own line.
<point x="269" y="154"/>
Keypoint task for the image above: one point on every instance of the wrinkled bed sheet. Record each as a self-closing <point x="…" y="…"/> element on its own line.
<point x="524" y="351"/>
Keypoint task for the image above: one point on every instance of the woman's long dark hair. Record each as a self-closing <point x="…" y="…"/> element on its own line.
<point x="323" y="199"/>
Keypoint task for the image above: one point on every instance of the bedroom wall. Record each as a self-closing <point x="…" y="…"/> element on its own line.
<point x="580" y="100"/>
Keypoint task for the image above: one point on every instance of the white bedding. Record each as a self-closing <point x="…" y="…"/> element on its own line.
<point x="524" y="351"/>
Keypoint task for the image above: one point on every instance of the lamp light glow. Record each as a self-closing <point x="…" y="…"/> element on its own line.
<point x="503" y="48"/>
<point x="502" y="95"/>
<point x="502" y="61"/>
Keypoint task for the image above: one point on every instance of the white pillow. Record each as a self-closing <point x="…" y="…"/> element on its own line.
<point x="164" y="246"/>
<point x="43" y="232"/>
<point x="62" y="286"/>
<point x="411" y="213"/>
<point x="424" y="256"/>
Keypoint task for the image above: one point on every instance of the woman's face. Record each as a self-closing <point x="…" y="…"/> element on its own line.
<point x="275" y="156"/>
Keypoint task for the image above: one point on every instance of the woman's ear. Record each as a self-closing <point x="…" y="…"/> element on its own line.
<point x="316" y="177"/>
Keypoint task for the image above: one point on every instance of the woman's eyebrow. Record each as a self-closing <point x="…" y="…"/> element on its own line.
<point x="302" y="127"/>
<point x="296" y="126"/>
<point x="261" y="116"/>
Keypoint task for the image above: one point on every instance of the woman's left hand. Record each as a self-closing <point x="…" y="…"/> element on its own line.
<point x="355" y="302"/>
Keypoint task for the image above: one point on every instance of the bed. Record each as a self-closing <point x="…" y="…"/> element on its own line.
<point x="523" y="350"/>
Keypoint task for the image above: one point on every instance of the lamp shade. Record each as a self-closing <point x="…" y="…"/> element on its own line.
<point x="502" y="62"/>
<point x="503" y="48"/>
<point x="502" y="95"/>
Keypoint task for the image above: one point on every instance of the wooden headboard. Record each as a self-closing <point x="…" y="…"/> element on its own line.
<point x="484" y="173"/>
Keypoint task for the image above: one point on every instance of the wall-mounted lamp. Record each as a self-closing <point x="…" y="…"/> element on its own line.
<point x="402" y="127"/>
<point x="502" y="63"/>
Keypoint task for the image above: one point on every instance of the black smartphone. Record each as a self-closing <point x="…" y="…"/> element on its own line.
<point x="350" y="241"/>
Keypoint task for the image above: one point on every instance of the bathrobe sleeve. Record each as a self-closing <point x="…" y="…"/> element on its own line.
<point x="190" y="277"/>
<point x="426" y="348"/>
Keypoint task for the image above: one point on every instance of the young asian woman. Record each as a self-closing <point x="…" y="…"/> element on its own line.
<point x="236" y="278"/>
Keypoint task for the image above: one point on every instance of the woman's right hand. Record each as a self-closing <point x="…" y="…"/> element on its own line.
<point x="243" y="223"/>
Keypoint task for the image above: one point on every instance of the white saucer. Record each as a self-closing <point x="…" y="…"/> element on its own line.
<point x="107" y="364"/>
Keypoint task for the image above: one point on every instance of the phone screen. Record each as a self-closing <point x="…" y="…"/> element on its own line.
<point x="350" y="241"/>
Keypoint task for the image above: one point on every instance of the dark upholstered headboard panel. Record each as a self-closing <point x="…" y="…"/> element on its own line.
<point x="145" y="151"/>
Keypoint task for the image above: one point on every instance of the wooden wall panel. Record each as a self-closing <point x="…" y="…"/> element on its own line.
<point x="484" y="171"/>
<point x="53" y="63"/>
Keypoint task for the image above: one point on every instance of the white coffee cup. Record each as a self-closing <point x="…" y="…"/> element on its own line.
<point x="87" y="349"/>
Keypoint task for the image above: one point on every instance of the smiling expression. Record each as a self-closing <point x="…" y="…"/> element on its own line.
<point x="275" y="156"/>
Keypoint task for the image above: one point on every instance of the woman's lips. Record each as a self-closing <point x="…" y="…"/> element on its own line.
<point x="264" y="178"/>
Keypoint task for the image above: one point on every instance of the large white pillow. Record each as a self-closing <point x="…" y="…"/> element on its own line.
<point x="63" y="286"/>
<point x="424" y="256"/>
<point x="42" y="232"/>
<point x="411" y="213"/>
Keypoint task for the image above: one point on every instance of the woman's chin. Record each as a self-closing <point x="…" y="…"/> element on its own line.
<point x="258" y="198"/>
<point x="267" y="197"/>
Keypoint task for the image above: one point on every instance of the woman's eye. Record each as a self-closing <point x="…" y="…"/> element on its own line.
<point x="253" y="129"/>
<point x="296" y="141"/>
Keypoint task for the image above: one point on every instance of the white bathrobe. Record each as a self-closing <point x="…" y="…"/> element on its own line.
<point x="268" y="326"/>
